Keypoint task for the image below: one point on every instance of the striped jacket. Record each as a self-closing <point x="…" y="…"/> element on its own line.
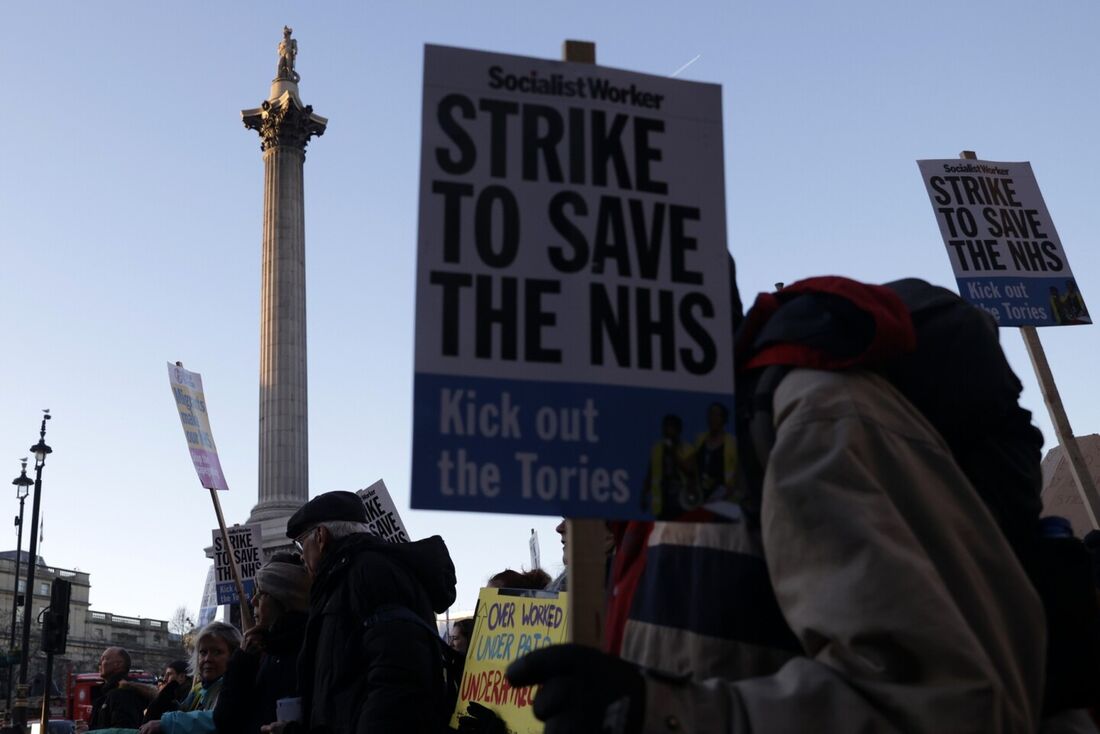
<point x="907" y="607"/>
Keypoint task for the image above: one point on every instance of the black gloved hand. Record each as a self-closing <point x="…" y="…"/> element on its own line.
<point x="481" y="720"/>
<point x="583" y="690"/>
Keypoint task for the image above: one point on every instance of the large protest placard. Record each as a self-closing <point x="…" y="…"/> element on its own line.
<point x="191" y="403"/>
<point x="382" y="515"/>
<point x="1002" y="244"/>
<point x="509" y="624"/>
<point x="573" y="287"/>
<point x="246" y="550"/>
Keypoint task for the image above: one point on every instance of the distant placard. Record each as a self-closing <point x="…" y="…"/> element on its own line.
<point x="508" y="624"/>
<point x="382" y="515"/>
<point x="573" y="286"/>
<point x="533" y="546"/>
<point x="191" y="403"/>
<point x="245" y="546"/>
<point x="208" y="607"/>
<point x="1001" y="240"/>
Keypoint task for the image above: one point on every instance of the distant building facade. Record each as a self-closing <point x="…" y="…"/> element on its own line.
<point x="150" y="643"/>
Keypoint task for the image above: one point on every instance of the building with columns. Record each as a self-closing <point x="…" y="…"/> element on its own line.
<point x="149" y="641"/>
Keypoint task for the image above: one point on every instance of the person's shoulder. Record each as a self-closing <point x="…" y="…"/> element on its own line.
<point x="123" y="694"/>
<point x="353" y="550"/>
<point x="812" y="396"/>
<point x="365" y="566"/>
<point x="808" y="381"/>
<point x="373" y="553"/>
<point x="129" y="688"/>
<point x="831" y="391"/>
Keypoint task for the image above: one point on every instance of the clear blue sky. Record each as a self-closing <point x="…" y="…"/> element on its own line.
<point x="130" y="214"/>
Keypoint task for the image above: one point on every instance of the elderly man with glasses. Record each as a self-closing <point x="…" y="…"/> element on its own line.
<point x="371" y="660"/>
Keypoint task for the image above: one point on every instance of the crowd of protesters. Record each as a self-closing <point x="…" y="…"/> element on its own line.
<point x="344" y="640"/>
<point x="890" y="574"/>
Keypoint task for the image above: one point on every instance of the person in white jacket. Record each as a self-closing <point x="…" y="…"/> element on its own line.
<point x="910" y="606"/>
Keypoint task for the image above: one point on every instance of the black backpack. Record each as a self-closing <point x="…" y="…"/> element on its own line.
<point x="958" y="377"/>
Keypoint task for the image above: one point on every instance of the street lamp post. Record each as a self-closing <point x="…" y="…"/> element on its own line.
<point x="41" y="451"/>
<point x="22" y="489"/>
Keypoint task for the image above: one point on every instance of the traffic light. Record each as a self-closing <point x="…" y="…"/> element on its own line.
<point x="55" y="623"/>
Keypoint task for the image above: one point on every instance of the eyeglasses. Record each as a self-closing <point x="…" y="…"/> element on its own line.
<point x="300" y="541"/>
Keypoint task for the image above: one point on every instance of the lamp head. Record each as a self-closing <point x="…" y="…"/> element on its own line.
<point x="41" y="451"/>
<point x="22" y="482"/>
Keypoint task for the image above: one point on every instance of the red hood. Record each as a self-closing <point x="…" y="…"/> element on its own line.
<point x="893" y="333"/>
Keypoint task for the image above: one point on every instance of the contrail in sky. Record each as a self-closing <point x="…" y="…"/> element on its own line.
<point x="677" y="72"/>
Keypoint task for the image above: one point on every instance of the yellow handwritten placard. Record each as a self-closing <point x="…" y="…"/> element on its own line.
<point x="508" y="624"/>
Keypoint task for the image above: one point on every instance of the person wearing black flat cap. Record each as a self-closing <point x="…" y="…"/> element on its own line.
<point x="371" y="658"/>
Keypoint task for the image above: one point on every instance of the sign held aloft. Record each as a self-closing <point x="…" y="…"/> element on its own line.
<point x="246" y="551"/>
<point x="573" y="283"/>
<point x="508" y="624"/>
<point x="191" y="403"/>
<point x="1006" y="254"/>
<point x="382" y="516"/>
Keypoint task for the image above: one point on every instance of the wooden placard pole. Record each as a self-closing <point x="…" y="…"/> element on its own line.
<point x="586" y="554"/>
<point x="1062" y="430"/>
<point x="246" y="610"/>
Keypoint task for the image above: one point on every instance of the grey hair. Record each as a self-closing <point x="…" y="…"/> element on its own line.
<point x="343" y="528"/>
<point x="225" y="632"/>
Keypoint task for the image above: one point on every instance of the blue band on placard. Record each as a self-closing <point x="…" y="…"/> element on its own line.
<point x="1026" y="301"/>
<point x="543" y="448"/>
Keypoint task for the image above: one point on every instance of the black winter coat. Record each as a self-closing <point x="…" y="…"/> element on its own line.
<point x="255" y="681"/>
<point x="117" y="707"/>
<point x="363" y="678"/>
<point x="167" y="699"/>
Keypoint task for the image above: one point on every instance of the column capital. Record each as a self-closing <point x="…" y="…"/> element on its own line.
<point x="284" y="121"/>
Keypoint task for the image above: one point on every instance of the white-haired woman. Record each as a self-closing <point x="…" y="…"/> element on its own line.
<point x="215" y="643"/>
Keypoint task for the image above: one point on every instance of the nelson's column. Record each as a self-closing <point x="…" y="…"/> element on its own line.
<point x="285" y="126"/>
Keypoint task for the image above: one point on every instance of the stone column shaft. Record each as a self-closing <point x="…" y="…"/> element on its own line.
<point x="284" y="420"/>
<point x="285" y="126"/>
